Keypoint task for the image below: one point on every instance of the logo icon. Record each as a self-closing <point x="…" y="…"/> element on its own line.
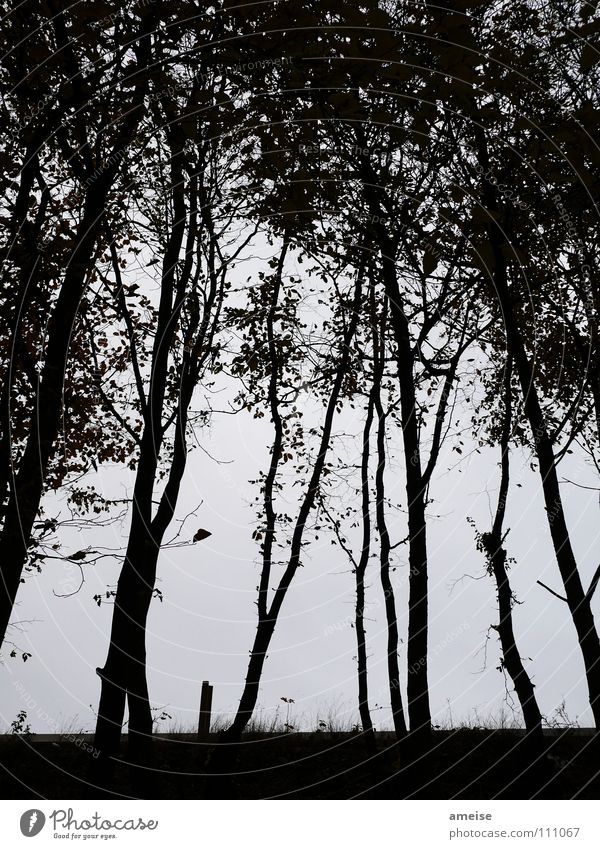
<point x="32" y="822"/>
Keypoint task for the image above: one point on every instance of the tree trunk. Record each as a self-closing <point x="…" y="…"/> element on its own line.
<point x="419" y="713"/>
<point x="496" y="554"/>
<point x="28" y="486"/>
<point x="512" y="662"/>
<point x="124" y="673"/>
<point x="28" y="234"/>
<point x="361" y="567"/>
<point x="268" y="617"/>
<point x="578" y="601"/>
<point x="579" y="604"/>
<point x="388" y="592"/>
<point x="264" y="632"/>
<point x="384" y="552"/>
<point x="125" y="662"/>
<point x="125" y="668"/>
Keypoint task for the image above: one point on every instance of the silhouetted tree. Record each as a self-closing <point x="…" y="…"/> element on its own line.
<point x="275" y="361"/>
<point x="491" y="543"/>
<point x="499" y="244"/>
<point x="198" y="245"/>
<point x="44" y="73"/>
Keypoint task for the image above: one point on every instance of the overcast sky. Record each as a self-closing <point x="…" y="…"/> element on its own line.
<point x="205" y="625"/>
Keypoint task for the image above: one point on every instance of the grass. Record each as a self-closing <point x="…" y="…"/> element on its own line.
<point x="475" y="757"/>
<point x="332" y="718"/>
<point x="284" y="718"/>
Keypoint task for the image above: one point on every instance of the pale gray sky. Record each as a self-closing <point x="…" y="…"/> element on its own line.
<point x="204" y="627"/>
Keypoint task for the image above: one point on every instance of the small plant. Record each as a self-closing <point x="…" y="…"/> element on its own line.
<point x="20" y="725"/>
<point x="160" y="715"/>
<point x="561" y="719"/>
<point x="287" y="725"/>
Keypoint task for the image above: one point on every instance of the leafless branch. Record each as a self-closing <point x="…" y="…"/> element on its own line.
<point x="561" y="597"/>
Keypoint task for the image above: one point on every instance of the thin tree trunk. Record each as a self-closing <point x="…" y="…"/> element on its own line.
<point x="385" y="545"/>
<point x="578" y="601"/>
<point x="28" y="234"/>
<point x="265" y="625"/>
<point x="419" y="713"/>
<point x="360" y="570"/>
<point x="499" y="241"/>
<point x="268" y="618"/>
<point x="492" y="542"/>
<point x="249" y="697"/>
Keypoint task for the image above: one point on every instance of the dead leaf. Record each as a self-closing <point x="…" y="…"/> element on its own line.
<point x="201" y="534"/>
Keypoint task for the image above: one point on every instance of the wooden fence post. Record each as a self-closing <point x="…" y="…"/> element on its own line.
<point x="205" y="709"/>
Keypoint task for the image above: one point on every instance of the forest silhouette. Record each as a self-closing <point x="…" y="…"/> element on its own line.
<point x="420" y="181"/>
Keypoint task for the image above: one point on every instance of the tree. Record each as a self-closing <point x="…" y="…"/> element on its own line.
<point x="344" y="324"/>
<point x="90" y="148"/>
<point x="491" y="543"/>
<point x="385" y="547"/>
<point x="481" y="109"/>
<point x="197" y="243"/>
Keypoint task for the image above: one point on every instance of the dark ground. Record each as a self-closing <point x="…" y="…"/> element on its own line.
<point x="462" y="764"/>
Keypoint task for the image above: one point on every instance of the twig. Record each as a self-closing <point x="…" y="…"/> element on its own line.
<point x="561" y="597"/>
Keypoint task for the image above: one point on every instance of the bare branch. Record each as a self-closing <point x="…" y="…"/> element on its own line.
<point x="561" y="597"/>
